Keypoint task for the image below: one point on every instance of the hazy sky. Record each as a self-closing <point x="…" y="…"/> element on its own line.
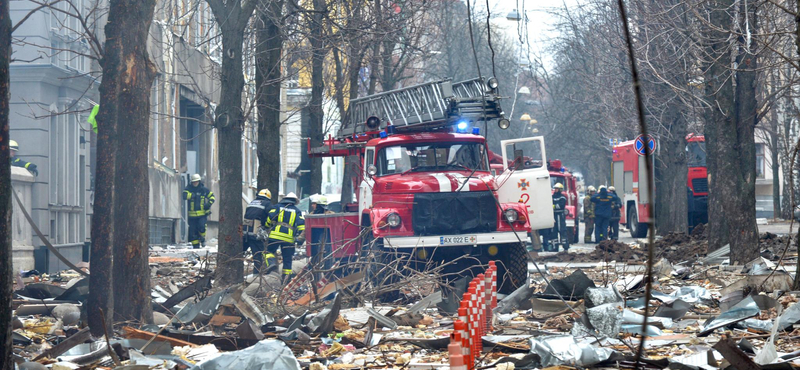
<point x="540" y="20"/>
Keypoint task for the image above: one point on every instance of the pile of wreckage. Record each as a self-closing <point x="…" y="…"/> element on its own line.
<point x="703" y="314"/>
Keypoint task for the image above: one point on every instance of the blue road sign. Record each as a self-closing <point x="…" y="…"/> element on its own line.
<point x="643" y="142"/>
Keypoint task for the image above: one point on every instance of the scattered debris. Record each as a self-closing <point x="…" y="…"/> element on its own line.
<point x="703" y="314"/>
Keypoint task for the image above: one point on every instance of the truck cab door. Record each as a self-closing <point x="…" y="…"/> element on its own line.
<point x="526" y="179"/>
<point x="365" y="188"/>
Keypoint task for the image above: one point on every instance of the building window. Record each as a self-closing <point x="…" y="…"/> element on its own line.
<point x="761" y="161"/>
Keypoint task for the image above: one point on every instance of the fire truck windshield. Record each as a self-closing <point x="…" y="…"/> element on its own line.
<point x="696" y="154"/>
<point x="446" y="156"/>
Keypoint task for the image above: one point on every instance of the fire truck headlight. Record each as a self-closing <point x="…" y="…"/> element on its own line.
<point x="492" y="83"/>
<point x="372" y="170"/>
<point x="393" y="219"/>
<point x="511" y="215"/>
<point x="503" y="123"/>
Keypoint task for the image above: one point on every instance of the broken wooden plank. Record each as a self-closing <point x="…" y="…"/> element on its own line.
<point x="81" y="336"/>
<point x="331" y="288"/>
<point x="731" y="352"/>
<point x="220" y="320"/>
<point x="130" y="332"/>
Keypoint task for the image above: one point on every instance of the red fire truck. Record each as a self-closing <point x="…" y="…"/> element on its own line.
<point x="425" y="185"/>
<point x="628" y="177"/>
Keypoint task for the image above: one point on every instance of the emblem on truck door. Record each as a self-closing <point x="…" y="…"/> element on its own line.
<point x="523" y="184"/>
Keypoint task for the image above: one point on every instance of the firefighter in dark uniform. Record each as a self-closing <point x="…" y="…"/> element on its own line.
<point x="254" y="228"/>
<point x="16" y="162"/>
<point x="603" y="202"/>
<point x="613" y="229"/>
<point x="320" y="243"/>
<point x="588" y="214"/>
<point x="200" y="200"/>
<point x="288" y="230"/>
<point x="559" y="209"/>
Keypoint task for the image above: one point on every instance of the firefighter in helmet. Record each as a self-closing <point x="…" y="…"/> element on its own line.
<point x="603" y="202"/>
<point x="588" y="214"/>
<point x="200" y="200"/>
<point x="16" y="162"/>
<point x="318" y="206"/>
<point x="288" y="230"/>
<point x="254" y="228"/>
<point x="559" y="207"/>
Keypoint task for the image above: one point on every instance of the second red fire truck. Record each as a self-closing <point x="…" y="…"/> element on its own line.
<point x="628" y="176"/>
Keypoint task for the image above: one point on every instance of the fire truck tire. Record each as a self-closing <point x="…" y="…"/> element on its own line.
<point x="514" y="269"/>
<point x="637" y="229"/>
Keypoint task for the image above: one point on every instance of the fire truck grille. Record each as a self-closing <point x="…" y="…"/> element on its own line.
<point x="454" y="213"/>
<point x="700" y="185"/>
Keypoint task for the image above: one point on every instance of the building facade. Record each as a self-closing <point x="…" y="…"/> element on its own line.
<point x="54" y="86"/>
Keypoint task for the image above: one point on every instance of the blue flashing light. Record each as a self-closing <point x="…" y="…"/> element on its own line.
<point x="476" y="131"/>
<point x="563" y="169"/>
<point x="461" y="127"/>
<point x="384" y="135"/>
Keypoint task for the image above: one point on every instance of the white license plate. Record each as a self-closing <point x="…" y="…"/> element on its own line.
<point x="458" y="240"/>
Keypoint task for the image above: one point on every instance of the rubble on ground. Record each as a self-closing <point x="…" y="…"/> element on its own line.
<point x="700" y="315"/>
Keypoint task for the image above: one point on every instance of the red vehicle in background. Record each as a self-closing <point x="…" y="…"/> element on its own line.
<point x="561" y="175"/>
<point x="628" y="176"/>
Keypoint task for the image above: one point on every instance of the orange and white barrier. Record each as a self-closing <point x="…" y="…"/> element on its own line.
<point x="474" y="320"/>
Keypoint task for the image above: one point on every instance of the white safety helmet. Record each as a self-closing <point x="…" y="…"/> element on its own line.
<point x="592" y="189"/>
<point x="291" y="197"/>
<point x="195" y="177"/>
<point x="611" y="188"/>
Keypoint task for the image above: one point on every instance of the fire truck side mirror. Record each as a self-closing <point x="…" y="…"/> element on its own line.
<point x="372" y="170"/>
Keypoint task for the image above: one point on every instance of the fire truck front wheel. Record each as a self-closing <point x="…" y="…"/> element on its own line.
<point x="638" y="230"/>
<point x="513" y="269"/>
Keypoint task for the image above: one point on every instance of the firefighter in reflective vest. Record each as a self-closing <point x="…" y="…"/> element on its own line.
<point x="288" y="230"/>
<point x="200" y="200"/>
<point x="254" y="228"/>
<point x="16" y="162"/>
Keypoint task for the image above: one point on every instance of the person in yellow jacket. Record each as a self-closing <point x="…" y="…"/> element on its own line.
<point x="588" y="214"/>
<point x="287" y="231"/>
<point x="199" y="200"/>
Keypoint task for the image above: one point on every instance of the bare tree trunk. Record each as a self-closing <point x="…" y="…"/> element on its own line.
<point x="268" y="78"/>
<point x="232" y="18"/>
<point x="316" y="114"/>
<point x="730" y="141"/>
<point x="6" y="270"/>
<point x="129" y="24"/>
<point x="775" y="150"/>
<point x="671" y="177"/>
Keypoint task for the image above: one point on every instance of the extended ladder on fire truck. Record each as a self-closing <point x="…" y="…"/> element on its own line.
<point x="426" y="106"/>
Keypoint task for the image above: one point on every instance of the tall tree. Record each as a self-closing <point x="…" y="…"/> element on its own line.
<point x="316" y="36"/>
<point x="128" y="64"/>
<point x="666" y="70"/>
<point x="269" y="56"/>
<point x="730" y="79"/>
<point x="232" y="17"/>
<point x="6" y="270"/>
